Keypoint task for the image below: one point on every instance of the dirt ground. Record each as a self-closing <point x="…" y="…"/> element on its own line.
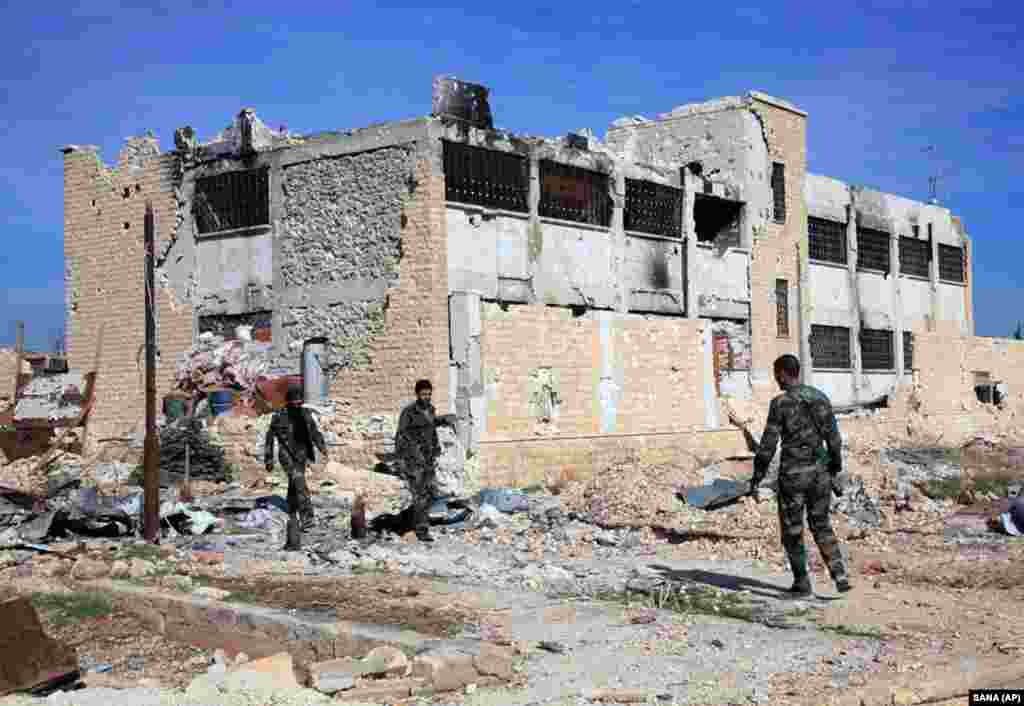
<point x="385" y="599"/>
<point x="137" y="656"/>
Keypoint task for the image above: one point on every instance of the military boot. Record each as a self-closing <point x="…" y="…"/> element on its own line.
<point x="801" y="588"/>
<point x="293" y="543"/>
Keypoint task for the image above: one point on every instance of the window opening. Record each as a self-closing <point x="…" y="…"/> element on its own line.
<point x="826" y="240"/>
<point x="872" y="250"/>
<point x="876" y="351"/>
<point x="951" y="263"/>
<point x="717" y="220"/>
<point x="653" y="208"/>
<point x="782" y="307"/>
<point x="574" y="194"/>
<point x="830" y="347"/>
<point x="232" y="200"/>
<point x="779" y="191"/>
<point x="475" y="175"/>
<point x="914" y="256"/>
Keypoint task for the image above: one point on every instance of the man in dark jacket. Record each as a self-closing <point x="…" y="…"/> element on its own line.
<point x="802" y="416"/>
<point x="417" y="444"/>
<point x="296" y="431"/>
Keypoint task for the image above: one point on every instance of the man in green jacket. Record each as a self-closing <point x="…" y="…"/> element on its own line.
<point x="811" y="457"/>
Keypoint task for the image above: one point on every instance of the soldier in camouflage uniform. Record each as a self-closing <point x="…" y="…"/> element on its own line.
<point x="417" y="443"/>
<point x="296" y="430"/>
<point x="802" y="416"/>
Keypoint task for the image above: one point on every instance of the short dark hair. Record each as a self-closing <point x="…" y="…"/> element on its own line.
<point x="423" y="385"/>
<point x="294" y="394"/>
<point x="788" y="364"/>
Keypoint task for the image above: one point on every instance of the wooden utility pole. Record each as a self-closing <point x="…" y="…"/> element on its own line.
<point x="151" y="458"/>
<point x="19" y="354"/>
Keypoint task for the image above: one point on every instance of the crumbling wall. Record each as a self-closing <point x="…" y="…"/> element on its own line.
<point x="104" y="209"/>
<point x="7" y="366"/>
<point x="341" y="217"/>
<point x="341" y="223"/>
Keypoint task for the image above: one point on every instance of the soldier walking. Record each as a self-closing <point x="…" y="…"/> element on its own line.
<point x="802" y="416"/>
<point x="296" y="430"/>
<point x="416" y="442"/>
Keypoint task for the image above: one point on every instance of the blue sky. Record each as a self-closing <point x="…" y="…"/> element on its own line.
<point x="881" y="80"/>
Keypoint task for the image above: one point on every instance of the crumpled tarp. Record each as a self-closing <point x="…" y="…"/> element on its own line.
<point x="505" y="499"/>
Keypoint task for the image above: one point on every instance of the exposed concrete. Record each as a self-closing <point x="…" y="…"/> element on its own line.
<point x="469" y="403"/>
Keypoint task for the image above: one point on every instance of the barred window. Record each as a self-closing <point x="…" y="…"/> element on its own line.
<point x="827" y="240"/>
<point x="574" y="194"/>
<point x="951" y="263"/>
<point x="908" y="350"/>
<point x="872" y="249"/>
<point x="876" y="351"/>
<point x="232" y="200"/>
<point x="779" y="191"/>
<point x="475" y="175"/>
<point x="914" y="256"/>
<point x="653" y="208"/>
<point x="782" y="307"/>
<point x="830" y="347"/>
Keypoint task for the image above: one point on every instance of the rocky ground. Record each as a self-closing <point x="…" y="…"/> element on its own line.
<point x="611" y="584"/>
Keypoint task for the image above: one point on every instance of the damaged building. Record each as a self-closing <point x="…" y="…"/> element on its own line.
<point x="573" y="300"/>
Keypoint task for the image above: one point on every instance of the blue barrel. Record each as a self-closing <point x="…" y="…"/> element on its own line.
<point x="315" y="385"/>
<point x="221" y="402"/>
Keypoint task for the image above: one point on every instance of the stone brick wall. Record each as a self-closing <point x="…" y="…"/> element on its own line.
<point x="103" y="252"/>
<point x="776" y="252"/>
<point x="409" y="339"/>
<point x="6" y="376"/>
<point x="568" y="394"/>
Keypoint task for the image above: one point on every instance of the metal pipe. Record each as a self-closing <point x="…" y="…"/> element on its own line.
<point x="151" y="458"/>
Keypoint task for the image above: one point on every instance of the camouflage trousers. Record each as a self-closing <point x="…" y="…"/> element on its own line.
<point x="298" y="493"/>
<point x="419" y="476"/>
<point x="808" y="490"/>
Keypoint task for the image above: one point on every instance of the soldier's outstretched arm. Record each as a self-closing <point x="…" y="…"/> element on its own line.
<point x="766" y="449"/>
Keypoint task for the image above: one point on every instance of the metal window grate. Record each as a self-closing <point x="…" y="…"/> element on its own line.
<point x="876" y="351"/>
<point x="830" y="347"/>
<point x="653" y="208"/>
<point x="484" y="177"/>
<point x="951" y="263"/>
<point x="914" y="256"/>
<point x="574" y="194"/>
<point x="908" y="350"/>
<point x="826" y="240"/>
<point x="872" y="250"/>
<point x="232" y="200"/>
<point x="779" y="191"/>
<point x="782" y="307"/>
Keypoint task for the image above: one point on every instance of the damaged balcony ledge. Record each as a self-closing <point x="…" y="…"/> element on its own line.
<point x="917" y="278"/>
<point x="826" y="263"/>
<point x="953" y="283"/>
<point x="485" y="212"/>
<point x="236" y="232"/>
<point x="574" y="224"/>
<point x="653" y="236"/>
<point x="734" y="248"/>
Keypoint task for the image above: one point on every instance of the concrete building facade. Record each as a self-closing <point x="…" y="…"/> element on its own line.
<point x="574" y="301"/>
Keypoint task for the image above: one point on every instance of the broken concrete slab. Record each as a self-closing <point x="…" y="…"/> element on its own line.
<point x="28" y="657"/>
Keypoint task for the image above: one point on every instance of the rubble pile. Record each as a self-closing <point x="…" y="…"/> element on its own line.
<point x="214" y="363"/>
<point x="632" y="495"/>
<point x="206" y="459"/>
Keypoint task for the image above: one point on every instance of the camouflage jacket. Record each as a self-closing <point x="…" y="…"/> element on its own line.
<point x="296" y="446"/>
<point x="416" y="438"/>
<point x="789" y="418"/>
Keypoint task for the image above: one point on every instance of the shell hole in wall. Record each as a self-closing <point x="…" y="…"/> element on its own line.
<point x="717" y="220"/>
<point x="126" y="192"/>
<point x="127" y="225"/>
